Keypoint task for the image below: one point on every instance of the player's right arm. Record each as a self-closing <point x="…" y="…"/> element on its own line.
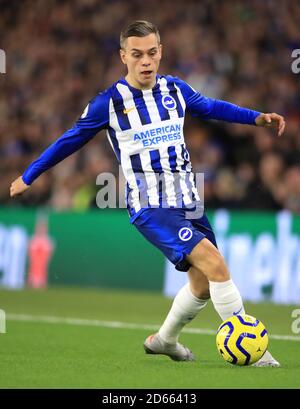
<point x="94" y="118"/>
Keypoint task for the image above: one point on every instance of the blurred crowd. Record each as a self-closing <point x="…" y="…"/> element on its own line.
<point x="62" y="53"/>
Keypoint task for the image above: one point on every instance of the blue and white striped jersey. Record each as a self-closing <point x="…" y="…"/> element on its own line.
<point x="145" y="129"/>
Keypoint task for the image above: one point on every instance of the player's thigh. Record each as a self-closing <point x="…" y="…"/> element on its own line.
<point x="198" y="283"/>
<point x="206" y="258"/>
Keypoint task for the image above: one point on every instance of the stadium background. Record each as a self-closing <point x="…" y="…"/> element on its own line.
<point x="59" y="54"/>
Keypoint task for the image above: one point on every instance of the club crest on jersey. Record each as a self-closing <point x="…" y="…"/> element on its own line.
<point x="169" y="102"/>
<point x="185" y="234"/>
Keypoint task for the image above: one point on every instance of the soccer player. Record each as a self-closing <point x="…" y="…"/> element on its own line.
<point x="143" y="114"/>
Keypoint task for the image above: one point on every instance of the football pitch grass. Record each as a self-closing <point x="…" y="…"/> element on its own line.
<point x="85" y="338"/>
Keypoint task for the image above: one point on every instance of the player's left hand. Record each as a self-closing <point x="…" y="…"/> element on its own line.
<point x="271" y="120"/>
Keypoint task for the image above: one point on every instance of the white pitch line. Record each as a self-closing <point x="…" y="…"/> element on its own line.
<point x="117" y="324"/>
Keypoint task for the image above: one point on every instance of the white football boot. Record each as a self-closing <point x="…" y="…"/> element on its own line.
<point x="267" y="360"/>
<point x="178" y="352"/>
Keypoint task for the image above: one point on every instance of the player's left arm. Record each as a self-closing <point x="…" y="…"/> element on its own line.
<point x="208" y="108"/>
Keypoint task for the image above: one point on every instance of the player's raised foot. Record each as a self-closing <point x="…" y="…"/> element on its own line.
<point x="178" y="352"/>
<point x="267" y="360"/>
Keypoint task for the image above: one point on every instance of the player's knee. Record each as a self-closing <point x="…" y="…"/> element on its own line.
<point x="217" y="269"/>
<point x="207" y="259"/>
<point x="214" y="267"/>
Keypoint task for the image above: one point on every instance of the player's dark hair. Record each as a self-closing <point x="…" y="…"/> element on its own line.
<point x="139" y="28"/>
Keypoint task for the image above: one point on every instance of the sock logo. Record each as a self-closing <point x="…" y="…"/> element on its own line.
<point x="237" y="313"/>
<point x="185" y="234"/>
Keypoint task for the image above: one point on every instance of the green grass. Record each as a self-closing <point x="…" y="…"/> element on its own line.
<point x="44" y="355"/>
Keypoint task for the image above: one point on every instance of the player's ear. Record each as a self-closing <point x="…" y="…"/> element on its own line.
<point x="122" y="56"/>
<point x="160" y="49"/>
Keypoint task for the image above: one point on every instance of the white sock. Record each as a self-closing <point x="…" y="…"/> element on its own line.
<point x="226" y="299"/>
<point x="185" y="307"/>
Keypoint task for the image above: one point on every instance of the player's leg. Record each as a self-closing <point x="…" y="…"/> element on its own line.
<point x="209" y="275"/>
<point x="198" y="283"/>
<point x="162" y="228"/>
<point x="207" y="259"/>
<point x="207" y="265"/>
<point x="190" y="299"/>
<point x="206" y="268"/>
<point x="225" y="296"/>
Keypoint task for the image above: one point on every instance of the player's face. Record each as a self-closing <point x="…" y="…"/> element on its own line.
<point x="142" y="56"/>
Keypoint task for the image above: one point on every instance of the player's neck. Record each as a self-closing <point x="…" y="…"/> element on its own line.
<point x="135" y="84"/>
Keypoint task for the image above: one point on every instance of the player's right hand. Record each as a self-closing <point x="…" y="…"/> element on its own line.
<point x="18" y="187"/>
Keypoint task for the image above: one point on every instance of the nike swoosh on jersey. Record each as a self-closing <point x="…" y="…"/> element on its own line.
<point x="127" y="110"/>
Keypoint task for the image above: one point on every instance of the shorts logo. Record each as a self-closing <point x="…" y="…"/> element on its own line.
<point x="185" y="234"/>
<point x="186" y="156"/>
<point x="169" y="102"/>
